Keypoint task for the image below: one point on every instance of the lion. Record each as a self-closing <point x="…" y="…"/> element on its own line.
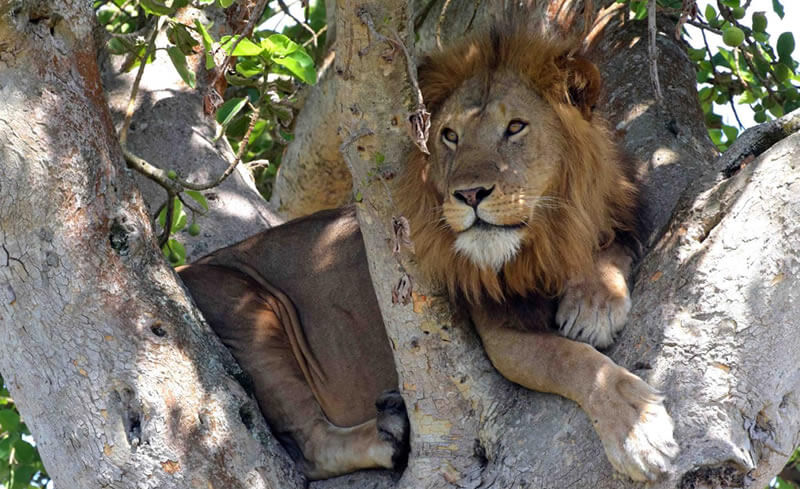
<point x="525" y="210"/>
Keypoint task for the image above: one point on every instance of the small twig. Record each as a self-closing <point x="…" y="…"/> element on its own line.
<point x="420" y="119"/>
<point x="422" y="14"/>
<point x="176" y="186"/>
<point x="164" y="237"/>
<point x="318" y="33"/>
<point x="588" y="18"/>
<point x="257" y="11"/>
<point x="772" y="95"/>
<point x="604" y="16"/>
<point x="152" y="172"/>
<point x="472" y="18"/>
<point x="191" y="207"/>
<point x="233" y="164"/>
<point x="703" y="26"/>
<point x="688" y="10"/>
<point x="120" y="11"/>
<point x="439" y="23"/>
<point x="355" y="136"/>
<point x="305" y="26"/>
<point x="652" y="49"/>
<point x="126" y="123"/>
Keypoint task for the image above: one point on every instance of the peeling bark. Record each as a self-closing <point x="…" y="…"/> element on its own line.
<point x="110" y="364"/>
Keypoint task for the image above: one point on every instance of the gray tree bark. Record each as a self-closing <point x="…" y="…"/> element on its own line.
<point x="111" y="365"/>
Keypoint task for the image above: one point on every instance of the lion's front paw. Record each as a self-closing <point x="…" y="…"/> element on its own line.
<point x="635" y="429"/>
<point x="593" y="311"/>
<point x="393" y="426"/>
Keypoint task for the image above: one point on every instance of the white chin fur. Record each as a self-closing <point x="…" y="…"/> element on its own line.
<point x="488" y="248"/>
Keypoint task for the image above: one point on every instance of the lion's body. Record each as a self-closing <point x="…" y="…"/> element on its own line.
<point x="319" y="263"/>
<point x="524" y="210"/>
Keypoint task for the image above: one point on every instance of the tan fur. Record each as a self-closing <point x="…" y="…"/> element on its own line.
<point x="591" y="182"/>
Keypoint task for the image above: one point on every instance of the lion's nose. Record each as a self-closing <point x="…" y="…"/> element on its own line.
<point x="473" y="196"/>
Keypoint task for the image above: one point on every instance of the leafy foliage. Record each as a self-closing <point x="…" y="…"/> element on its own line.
<point x="751" y="67"/>
<point x="20" y="465"/>
<point x="261" y="72"/>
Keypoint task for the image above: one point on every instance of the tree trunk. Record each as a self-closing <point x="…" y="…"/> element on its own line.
<point x="112" y="367"/>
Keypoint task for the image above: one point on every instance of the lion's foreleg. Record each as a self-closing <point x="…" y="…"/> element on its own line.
<point x="627" y="413"/>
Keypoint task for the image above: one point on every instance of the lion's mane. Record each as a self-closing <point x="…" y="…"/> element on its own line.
<point x="594" y="185"/>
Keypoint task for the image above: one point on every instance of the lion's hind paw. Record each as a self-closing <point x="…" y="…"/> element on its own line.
<point x="393" y="425"/>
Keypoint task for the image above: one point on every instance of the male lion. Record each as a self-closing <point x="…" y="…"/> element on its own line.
<point x="524" y="210"/>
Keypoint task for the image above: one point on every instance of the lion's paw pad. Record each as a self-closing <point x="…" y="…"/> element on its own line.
<point x="589" y="312"/>
<point x="393" y="425"/>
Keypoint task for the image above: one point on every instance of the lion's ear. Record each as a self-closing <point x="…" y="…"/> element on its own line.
<point x="584" y="83"/>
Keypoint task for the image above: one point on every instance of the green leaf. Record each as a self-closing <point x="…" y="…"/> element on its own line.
<point x="777" y="6"/>
<point x="154" y="7"/>
<point x="730" y="133"/>
<point x="5" y="446"/>
<point x="730" y="3"/>
<point x="198" y="197"/>
<point x="179" y="62"/>
<point x="725" y="59"/>
<point x="178" y="35"/>
<point x="776" y="110"/>
<point x="249" y="67"/>
<point x="639" y="9"/>
<point x="746" y="98"/>
<point x="226" y="3"/>
<point x="245" y="47"/>
<point x="710" y="12"/>
<point x="229" y="109"/>
<point x="175" y="252"/>
<point x="703" y="76"/>
<point x="9" y="420"/>
<point x="697" y="54"/>
<point x="120" y="45"/>
<point x="300" y="64"/>
<point x="279" y="45"/>
<point x="24" y="453"/>
<point x="21" y="476"/>
<point x="178" y="216"/>
<point x="208" y="43"/>
<point x="782" y="72"/>
<point x="785" y="47"/>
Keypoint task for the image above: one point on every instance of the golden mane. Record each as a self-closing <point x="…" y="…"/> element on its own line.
<point x="593" y="182"/>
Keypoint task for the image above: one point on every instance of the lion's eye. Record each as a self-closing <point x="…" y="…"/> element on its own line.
<point x="449" y="136"/>
<point x="515" y="127"/>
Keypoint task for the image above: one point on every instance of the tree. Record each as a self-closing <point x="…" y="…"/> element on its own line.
<point x="695" y="332"/>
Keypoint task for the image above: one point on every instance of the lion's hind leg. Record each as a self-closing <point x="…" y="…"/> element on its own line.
<point x="254" y="325"/>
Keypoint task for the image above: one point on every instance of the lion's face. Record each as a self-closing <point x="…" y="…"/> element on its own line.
<point x="494" y="161"/>
<point x="523" y="184"/>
